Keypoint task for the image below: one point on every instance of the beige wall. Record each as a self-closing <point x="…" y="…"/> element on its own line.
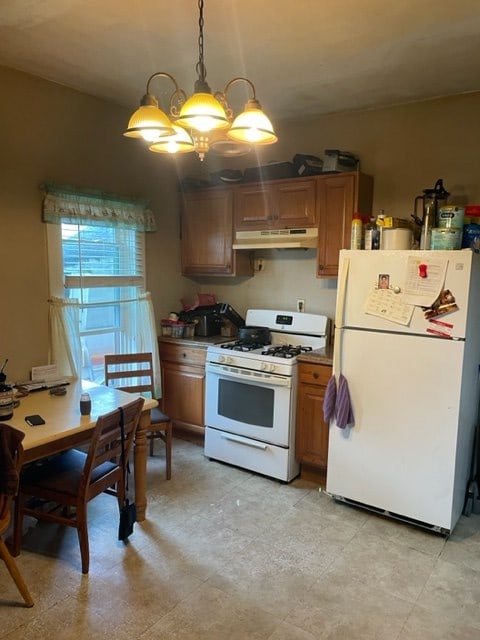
<point x="49" y="132"/>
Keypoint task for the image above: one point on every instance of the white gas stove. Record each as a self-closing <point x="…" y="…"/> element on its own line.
<point x="251" y="392"/>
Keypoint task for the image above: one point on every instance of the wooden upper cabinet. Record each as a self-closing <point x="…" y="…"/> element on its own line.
<point x="339" y="196"/>
<point x="207" y="234"/>
<point x="280" y="204"/>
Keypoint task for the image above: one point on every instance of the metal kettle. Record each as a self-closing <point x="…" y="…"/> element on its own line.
<point x="430" y="201"/>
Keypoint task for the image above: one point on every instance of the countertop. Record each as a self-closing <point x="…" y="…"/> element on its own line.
<point x="197" y="341"/>
<point x="318" y="356"/>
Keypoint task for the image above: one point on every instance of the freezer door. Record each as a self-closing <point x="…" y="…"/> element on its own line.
<point x="401" y="455"/>
<point x="363" y="274"/>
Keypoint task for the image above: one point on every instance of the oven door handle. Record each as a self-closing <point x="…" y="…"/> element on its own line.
<point x="248" y="443"/>
<point x="249" y="376"/>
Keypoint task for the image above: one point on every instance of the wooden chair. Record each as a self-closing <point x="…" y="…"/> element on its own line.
<point x="11" y="455"/>
<point x="134" y="372"/>
<point x="73" y="478"/>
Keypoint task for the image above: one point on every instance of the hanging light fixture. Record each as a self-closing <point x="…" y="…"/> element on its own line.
<point x="202" y="122"/>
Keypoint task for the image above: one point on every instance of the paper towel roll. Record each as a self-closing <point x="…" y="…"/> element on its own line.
<point x="397" y="239"/>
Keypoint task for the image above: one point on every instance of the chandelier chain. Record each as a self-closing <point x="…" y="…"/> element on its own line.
<point x="201" y="69"/>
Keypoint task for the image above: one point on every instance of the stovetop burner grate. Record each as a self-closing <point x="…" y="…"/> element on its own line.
<point x="285" y="351"/>
<point x="242" y="345"/>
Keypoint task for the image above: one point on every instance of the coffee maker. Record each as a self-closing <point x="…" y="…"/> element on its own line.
<point x="430" y="202"/>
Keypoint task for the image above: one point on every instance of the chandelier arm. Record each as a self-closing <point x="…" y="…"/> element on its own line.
<point x="162" y="74"/>
<point x="238" y="79"/>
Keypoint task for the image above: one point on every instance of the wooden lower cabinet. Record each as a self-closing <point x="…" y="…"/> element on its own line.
<point x="183" y="385"/>
<point x="311" y="435"/>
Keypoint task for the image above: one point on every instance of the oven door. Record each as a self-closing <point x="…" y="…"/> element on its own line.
<point x="249" y="403"/>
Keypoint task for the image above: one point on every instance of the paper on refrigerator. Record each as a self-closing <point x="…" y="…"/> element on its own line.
<point x="386" y="304"/>
<point x="424" y="280"/>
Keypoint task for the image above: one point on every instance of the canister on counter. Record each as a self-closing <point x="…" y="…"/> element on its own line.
<point x="451" y="217"/>
<point x="446" y="238"/>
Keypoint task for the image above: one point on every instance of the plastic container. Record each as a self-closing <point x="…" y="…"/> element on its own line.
<point x="189" y="330"/>
<point x="471" y="229"/>
<point x="6" y="402"/>
<point x="446" y="238"/>
<point x="177" y="330"/>
<point x="451" y="217"/>
<point x="357" y="232"/>
<point x="85" y="404"/>
<point x="398" y="239"/>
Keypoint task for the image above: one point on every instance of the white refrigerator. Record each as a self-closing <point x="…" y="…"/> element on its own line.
<point x="407" y="341"/>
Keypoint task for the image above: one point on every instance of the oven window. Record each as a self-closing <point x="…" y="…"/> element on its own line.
<point x="246" y="403"/>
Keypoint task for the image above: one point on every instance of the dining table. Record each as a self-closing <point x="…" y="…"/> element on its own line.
<point x="65" y="428"/>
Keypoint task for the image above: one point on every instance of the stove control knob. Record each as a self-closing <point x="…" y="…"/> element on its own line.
<point x="267" y="366"/>
<point x="230" y="360"/>
<point x="221" y="358"/>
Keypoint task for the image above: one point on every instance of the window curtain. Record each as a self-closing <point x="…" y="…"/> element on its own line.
<point x="64" y="203"/>
<point x="65" y="344"/>
<point x="138" y="336"/>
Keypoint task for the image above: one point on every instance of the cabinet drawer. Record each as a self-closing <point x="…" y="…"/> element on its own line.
<point x="185" y="354"/>
<point x="314" y="373"/>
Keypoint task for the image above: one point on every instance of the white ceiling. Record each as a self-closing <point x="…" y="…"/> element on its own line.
<point x="305" y="57"/>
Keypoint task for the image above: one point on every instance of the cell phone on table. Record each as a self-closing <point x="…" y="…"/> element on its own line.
<point x="34" y="420"/>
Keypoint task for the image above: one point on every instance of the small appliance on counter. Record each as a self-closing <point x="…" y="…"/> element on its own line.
<point x="336" y="161"/>
<point x="209" y="319"/>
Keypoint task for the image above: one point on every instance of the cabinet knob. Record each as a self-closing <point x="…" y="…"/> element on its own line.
<point x="184" y="355"/>
<point x="315" y="375"/>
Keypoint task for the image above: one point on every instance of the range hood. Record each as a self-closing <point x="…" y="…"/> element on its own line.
<point x="276" y="239"/>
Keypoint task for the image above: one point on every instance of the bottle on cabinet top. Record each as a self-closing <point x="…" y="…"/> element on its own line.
<point x="372" y="235"/>
<point x="357" y="232"/>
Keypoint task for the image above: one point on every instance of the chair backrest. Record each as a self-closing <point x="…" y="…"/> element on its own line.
<point x="130" y="372"/>
<point x="11" y="457"/>
<point x="106" y="442"/>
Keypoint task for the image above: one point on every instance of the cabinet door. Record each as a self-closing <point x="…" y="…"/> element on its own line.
<point x="311" y="444"/>
<point x="336" y="207"/>
<point x="254" y="207"/>
<point x="282" y="204"/>
<point x="207" y="228"/>
<point x="183" y="394"/>
<point x="338" y="198"/>
<point x="295" y="204"/>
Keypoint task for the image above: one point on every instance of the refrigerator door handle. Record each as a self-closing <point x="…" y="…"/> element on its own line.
<point x="342" y="290"/>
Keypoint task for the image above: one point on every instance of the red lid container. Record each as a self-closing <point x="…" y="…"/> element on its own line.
<point x="472" y="210"/>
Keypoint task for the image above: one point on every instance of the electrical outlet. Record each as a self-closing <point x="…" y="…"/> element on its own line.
<point x="301" y="305"/>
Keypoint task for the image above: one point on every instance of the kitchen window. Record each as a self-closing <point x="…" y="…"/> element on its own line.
<point x="98" y="301"/>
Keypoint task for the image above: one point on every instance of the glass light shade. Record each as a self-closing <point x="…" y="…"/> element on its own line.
<point x="252" y="126"/>
<point x="222" y="145"/>
<point x="181" y="142"/>
<point x="203" y="112"/>
<point x="150" y="123"/>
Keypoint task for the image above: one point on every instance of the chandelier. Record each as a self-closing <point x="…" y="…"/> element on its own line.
<point x="203" y="122"/>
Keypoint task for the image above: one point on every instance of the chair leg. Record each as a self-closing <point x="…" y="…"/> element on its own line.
<point x="15" y="573"/>
<point x="17" y="525"/>
<point x="168" y="450"/>
<point x="82" y="531"/>
<point x="152" y="442"/>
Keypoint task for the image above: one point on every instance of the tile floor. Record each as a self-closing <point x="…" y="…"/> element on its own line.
<point x="229" y="555"/>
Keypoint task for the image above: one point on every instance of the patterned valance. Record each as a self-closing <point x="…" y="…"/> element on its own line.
<point x="63" y="203"/>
